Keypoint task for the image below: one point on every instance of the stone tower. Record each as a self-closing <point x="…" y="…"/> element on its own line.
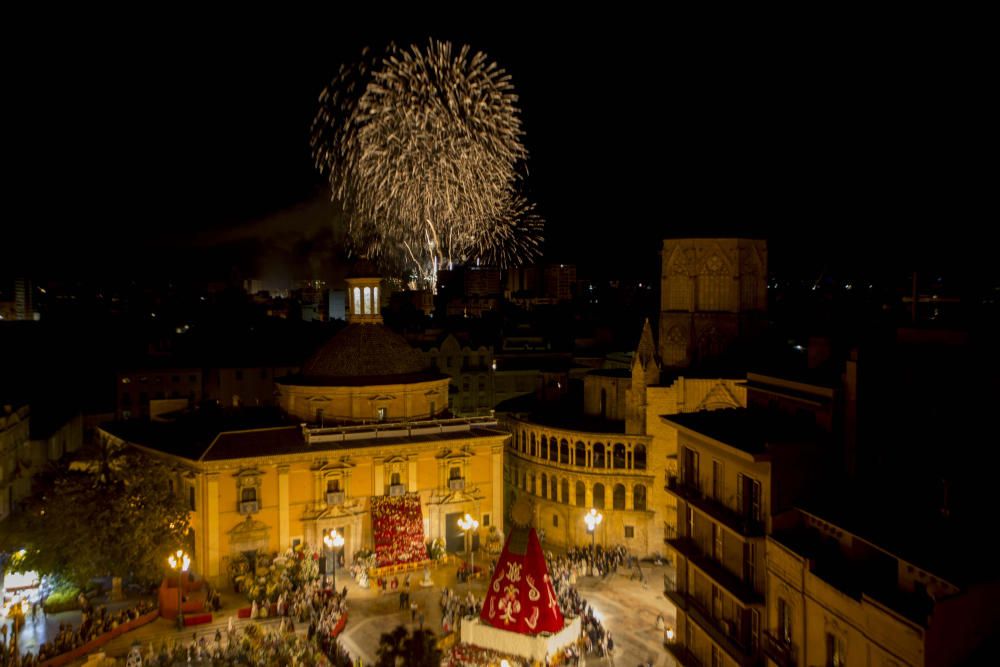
<point x="645" y="373"/>
<point x="712" y="292"/>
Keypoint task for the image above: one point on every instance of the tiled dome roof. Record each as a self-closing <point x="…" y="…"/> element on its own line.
<point x="364" y="350"/>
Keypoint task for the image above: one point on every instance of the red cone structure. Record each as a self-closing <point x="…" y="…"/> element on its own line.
<point x="521" y="597"/>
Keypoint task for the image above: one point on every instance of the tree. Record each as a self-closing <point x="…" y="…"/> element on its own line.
<point x="416" y="649"/>
<point x="109" y="512"/>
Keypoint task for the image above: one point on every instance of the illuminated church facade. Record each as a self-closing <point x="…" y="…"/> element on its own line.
<point x="363" y="418"/>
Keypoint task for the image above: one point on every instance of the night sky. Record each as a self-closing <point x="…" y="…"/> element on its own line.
<point x="182" y="148"/>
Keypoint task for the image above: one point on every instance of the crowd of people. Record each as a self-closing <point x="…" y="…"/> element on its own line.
<point x="94" y="622"/>
<point x="455" y="607"/>
<point x="398" y="529"/>
<point x="250" y="645"/>
<point x="596" y="639"/>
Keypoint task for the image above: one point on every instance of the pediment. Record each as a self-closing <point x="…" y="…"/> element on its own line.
<point x="453" y="454"/>
<point x="319" y="399"/>
<point x="248" y="529"/>
<point x="343" y="463"/>
<point x="396" y="458"/>
<point x="718" y="397"/>
<point x="382" y="397"/>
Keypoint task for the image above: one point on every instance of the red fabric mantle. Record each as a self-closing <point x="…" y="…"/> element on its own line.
<point x="521" y="597"/>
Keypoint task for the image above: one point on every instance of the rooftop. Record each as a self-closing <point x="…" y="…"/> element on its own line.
<point x="256" y="433"/>
<point x="751" y="431"/>
<point x="364" y="351"/>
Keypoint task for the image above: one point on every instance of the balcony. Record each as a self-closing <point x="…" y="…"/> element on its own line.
<point x="723" y="632"/>
<point x="456" y="484"/>
<point x="736" y="521"/>
<point x="397" y="490"/>
<point x="335" y="498"/>
<point x="732" y="583"/>
<point x="682" y="655"/>
<point x="249" y="507"/>
<point x="778" y="650"/>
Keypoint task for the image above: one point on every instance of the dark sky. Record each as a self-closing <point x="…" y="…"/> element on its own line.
<point x="181" y="146"/>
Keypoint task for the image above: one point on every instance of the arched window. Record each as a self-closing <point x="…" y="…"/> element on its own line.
<point x="545" y="486"/>
<point x="455" y="472"/>
<point x="564" y="452"/>
<point x="555" y="488"/>
<point x="545" y="447"/>
<point x="639" y="457"/>
<point x="553" y="450"/>
<point x="639" y="498"/>
<point x="524" y="446"/>
<point x="368" y="300"/>
<point x="599" y="455"/>
<point x="248" y="495"/>
<point x="534" y="451"/>
<point x="375" y="307"/>
<point x="357" y="302"/>
<point x="599" y="496"/>
<point x="523" y="436"/>
<point x="333" y="486"/>
<point x="534" y="488"/>
<point x="619" y="456"/>
<point x="619" y="497"/>
<point x="581" y="454"/>
<point x="564" y="491"/>
<point x="581" y="494"/>
<point x="395" y="479"/>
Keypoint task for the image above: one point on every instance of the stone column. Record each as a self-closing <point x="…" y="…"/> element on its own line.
<point x="497" y="484"/>
<point x="411" y="476"/>
<point x="283" y="539"/>
<point x="379" y="481"/>
<point x="211" y="525"/>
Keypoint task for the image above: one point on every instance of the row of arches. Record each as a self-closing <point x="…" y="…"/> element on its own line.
<point x="596" y="455"/>
<point x="550" y="487"/>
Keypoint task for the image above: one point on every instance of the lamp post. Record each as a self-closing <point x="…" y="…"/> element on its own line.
<point x="468" y="524"/>
<point x="180" y="562"/>
<point x="333" y="540"/>
<point x="593" y="519"/>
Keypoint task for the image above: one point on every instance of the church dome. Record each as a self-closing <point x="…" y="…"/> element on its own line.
<point x="362" y="351"/>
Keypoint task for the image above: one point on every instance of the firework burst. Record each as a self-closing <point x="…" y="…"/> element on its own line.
<point x="423" y="147"/>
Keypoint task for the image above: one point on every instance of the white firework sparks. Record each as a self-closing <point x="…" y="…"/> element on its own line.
<point x="423" y="148"/>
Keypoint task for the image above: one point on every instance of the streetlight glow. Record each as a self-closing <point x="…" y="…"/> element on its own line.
<point x="333" y="540"/>
<point x="593" y="519"/>
<point x="468" y="524"/>
<point x="179" y="562"/>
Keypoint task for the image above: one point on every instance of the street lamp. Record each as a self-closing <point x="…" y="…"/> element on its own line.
<point x="593" y="519"/>
<point x="468" y="524"/>
<point x="180" y="562"/>
<point x="333" y="540"/>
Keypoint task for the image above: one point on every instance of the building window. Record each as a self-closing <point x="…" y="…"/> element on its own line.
<point x="639" y="498"/>
<point x="555" y="488"/>
<point x="599" y="496"/>
<point x="486" y="520"/>
<point x="836" y="651"/>
<point x="545" y="486"/>
<point x="618" y="497"/>
<point x="248" y="495"/>
<point x="394" y="479"/>
<point x="716" y="656"/>
<point x="717" y="488"/>
<point x="598" y="455"/>
<point x="383" y="414"/>
<point x="748" y="497"/>
<point x="639" y="457"/>
<point x="563" y="452"/>
<point x="368" y="301"/>
<point x="629" y="532"/>
<point x="784" y="621"/>
<point x="555" y="520"/>
<point x="333" y="486"/>
<point x="689" y="511"/>
<point x="581" y="454"/>
<point x="564" y="491"/>
<point x="618" y="458"/>
<point x="717" y="542"/>
<point x="581" y="494"/>
<point x="545" y="446"/>
<point x="455" y="472"/>
<point x="357" y="301"/>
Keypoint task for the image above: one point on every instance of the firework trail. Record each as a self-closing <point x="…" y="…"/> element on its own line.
<point x="423" y="148"/>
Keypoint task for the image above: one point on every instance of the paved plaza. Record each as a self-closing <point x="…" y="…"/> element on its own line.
<point x="626" y="607"/>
